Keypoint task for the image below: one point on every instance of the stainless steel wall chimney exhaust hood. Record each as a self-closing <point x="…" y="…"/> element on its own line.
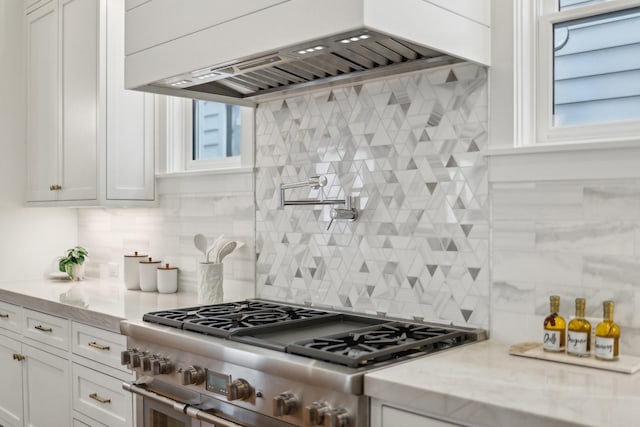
<point x="241" y="52"/>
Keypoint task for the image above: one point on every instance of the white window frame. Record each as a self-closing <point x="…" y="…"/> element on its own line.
<point x="546" y="132"/>
<point x="179" y="140"/>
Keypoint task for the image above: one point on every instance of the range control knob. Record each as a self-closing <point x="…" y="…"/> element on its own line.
<point x="130" y="357"/>
<point x="161" y="366"/>
<point x="285" y="404"/>
<point x="239" y="389"/>
<point x="337" y="417"/>
<point x="135" y="359"/>
<point x="145" y="362"/>
<point x="314" y="414"/>
<point x="125" y="357"/>
<point x="192" y="375"/>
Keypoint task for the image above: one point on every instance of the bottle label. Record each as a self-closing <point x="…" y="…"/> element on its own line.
<point x="577" y="342"/>
<point x="604" y="347"/>
<point x="551" y="340"/>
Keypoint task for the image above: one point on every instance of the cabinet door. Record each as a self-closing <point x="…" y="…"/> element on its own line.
<point x="392" y="417"/>
<point x="130" y="123"/>
<point x="79" y="56"/>
<point x="42" y="102"/>
<point x="10" y="383"/>
<point x="47" y="391"/>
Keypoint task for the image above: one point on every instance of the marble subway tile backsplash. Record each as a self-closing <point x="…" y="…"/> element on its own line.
<point x="574" y="239"/>
<point x="166" y="233"/>
<point x="408" y="148"/>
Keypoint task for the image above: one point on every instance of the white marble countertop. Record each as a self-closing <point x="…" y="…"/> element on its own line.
<point x="481" y="384"/>
<point x="103" y="303"/>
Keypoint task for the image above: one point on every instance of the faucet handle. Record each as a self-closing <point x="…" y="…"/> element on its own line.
<point x="316" y="182"/>
<point x="342" y="214"/>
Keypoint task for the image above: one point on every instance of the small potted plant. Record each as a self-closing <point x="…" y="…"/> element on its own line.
<point x="73" y="262"/>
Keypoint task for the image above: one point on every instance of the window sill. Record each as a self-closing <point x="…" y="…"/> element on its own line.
<point x="218" y="181"/>
<point x="554" y="162"/>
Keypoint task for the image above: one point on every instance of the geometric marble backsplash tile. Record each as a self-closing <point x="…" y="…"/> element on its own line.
<point x="409" y="150"/>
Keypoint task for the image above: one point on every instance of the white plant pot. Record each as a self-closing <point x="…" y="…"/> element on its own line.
<point x="77" y="272"/>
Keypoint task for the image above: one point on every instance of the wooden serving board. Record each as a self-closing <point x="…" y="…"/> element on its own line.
<point x="624" y="364"/>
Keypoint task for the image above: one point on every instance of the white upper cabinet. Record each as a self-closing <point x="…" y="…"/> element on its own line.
<point x="130" y="123"/>
<point x="42" y="102"/>
<point x="79" y="62"/>
<point x="89" y="141"/>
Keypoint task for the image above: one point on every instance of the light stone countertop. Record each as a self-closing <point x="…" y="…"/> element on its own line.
<point x="103" y="303"/>
<point x="482" y="385"/>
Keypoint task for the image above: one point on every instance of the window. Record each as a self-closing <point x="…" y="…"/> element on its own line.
<point x="207" y="135"/>
<point x="588" y="70"/>
<point x="216" y="130"/>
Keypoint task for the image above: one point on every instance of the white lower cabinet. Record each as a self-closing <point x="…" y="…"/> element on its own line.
<point x="57" y="373"/>
<point x="11" y="413"/>
<point x="385" y="414"/>
<point x="46" y="389"/>
<point x="34" y="391"/>
<point x="101" y="397"/>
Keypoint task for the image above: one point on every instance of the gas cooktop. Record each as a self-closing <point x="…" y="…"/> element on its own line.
<point x="347" y="339"/>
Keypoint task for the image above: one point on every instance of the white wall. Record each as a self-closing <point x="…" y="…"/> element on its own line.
<point x="30" y="238"/>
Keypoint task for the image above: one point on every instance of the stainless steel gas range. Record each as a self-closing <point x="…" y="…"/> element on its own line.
<point x="265" y="364"/>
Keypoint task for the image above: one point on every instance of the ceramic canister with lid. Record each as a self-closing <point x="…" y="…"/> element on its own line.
<point x="132" y="270"/>
<point x="167" y="279"/>
<point x="148" y="275"/>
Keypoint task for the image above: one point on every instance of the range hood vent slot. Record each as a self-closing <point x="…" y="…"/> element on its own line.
<point x="339" y="59"/>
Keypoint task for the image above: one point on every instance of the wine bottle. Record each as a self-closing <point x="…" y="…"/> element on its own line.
<point x="554" y="327"/>
<point x="607" y="335"/>
<point x="579" y="332"/>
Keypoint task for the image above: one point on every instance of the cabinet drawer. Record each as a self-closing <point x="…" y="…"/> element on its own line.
<point x="101" y="397"/>
<point x="98" y="345"/>
<point x="48" y="329"/>
<point x="10" y="317"/>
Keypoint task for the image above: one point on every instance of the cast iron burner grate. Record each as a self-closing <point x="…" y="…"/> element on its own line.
<point x="379" y="343"/>
<point x="176" y="317"/>
<point x="226" y="325"/>
<point x="222" y="320"/>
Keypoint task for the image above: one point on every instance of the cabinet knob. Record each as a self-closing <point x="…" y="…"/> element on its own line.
<point x="43" y="328"/>
<point x="18" y="357"/>
<point x="96" y="397"/>
<point x="55" y="187"/>
<point x="99" y="346"/>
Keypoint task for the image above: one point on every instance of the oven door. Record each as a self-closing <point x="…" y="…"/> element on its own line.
<point x="156" y="414"/>
<point x="166" y="406"/>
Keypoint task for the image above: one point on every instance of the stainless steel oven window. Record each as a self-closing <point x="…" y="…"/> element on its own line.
<point x="157" y="415"/>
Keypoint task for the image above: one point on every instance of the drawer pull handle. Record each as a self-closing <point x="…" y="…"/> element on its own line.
<point x="95" y="396"/>
<point x="18" y="357"/>
<point x="4" y="316"/>
<point x="42" y="328"/>
<point x="98" y="346"/>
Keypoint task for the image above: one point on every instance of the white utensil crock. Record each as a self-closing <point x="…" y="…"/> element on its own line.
<point x="167" y="279"/>
<point x="210" y="290"/>
<point x="132" y="270"/>
<point x="149" y="275"/>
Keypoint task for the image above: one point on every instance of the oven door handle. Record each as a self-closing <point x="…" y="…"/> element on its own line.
<point x="180" y="407"/>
